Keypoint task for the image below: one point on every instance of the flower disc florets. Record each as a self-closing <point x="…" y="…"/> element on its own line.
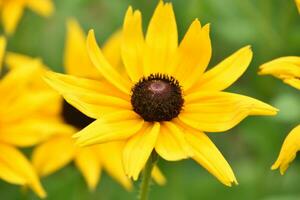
<point x="157" y="97"/>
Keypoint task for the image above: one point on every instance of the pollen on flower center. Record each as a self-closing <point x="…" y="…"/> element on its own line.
<point x="157" y="97"/>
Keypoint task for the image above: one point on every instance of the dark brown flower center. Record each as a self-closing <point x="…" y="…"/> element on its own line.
<point x="157" y="98"/>
<point x="74" y="117"/>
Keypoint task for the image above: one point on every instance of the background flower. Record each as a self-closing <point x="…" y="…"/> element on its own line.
<point x="12" y="11"/>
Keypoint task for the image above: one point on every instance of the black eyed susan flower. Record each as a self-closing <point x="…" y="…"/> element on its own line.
<point x="12" y="10"/>
<point x="288" y="70"/>
<point x="59" y="149"/>
<point x="17" y="129"/>
<point x="164" y="101"/>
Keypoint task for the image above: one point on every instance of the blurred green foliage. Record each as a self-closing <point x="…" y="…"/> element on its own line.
<point x="272" y="27"/>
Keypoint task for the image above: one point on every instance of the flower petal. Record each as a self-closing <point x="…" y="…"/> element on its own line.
<point x="220" y="111"/>
<point x="112" y="51"/>
<point x="226" y="72"/>
<point x="138" y="149"/>
<point x="161" y="40"/>
<point x="207" y="155"/>
<point x="53" y="154"/>
<point x="15" y="168"/>
<point x="11" y="15"/>
<point x="89" y="96"/>
<point x="288" y="150"/>
<point x="30" y="103"/>
<point x="113" y="163"/>
<point x="158" y="176"/>
<point x="171" y="144"/>
<point x="132" y="44"/>
<point x="104" y="67"/>
<point x="285" y="68"/>
<point x="42" y="7"/>
<point x="32" y="131"/>
<point x="110" y="127"/>
<point x="194" y="55"/>
<point x="298" y="5"/>
<point x="76" y="58"/>
<point x="87" y="161"/>
<point x="18" y="79"/>
<point x="2" y="50"/>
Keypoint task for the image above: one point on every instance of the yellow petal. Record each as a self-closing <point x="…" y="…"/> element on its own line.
<point x="32" y="131"/>
<point x="42" y="7"/>
<point x="161" y="40"/>
<point x="110" y="127"/>
<point x="76" y="58"/>
<point x="53" y="154"/>
<point x="110" y="155"/>
<point x="158" y="177"/>
<point x="87" y="161"/>
<point x="132" y="44"/>
<point x="112" y="51"/>
<point x="207" y="155"/>
<point x="289" y="149"/>
<point x="171" y="144"/>
<point x="17" y="79"/>
<point x="11" y="15"/>
<point x="89" y="96"/>
<point x="298" y="5"/>
<point x="285" y="68"/>
<point x="138" y="149"/>
<point x="28" y="104"/>
<point x="16" y="169"/>
<point x="104" y="67"/>
<point x="194" y="55"/>
<point x="226" y="72"/>
<point x="2" y="50"/>
<point x="220" y="111"/>
<point x="13" y="60"/>
<point x="294" y="82"/>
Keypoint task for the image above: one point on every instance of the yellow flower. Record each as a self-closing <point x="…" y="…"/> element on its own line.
<point x="298" y="5"/>
<point x="284" y="68"/>
<point x="19" y="114"/>
<point x="287" y="69"/>
<point x="12" y="10"/>
<point x="164" y="101"/>
<point x="59" y="149"/>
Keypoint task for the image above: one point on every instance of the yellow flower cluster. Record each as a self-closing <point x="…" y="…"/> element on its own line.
<point x="138" y="97"/>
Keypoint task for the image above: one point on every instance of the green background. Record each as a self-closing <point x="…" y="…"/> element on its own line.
<point x="272" y="27"/>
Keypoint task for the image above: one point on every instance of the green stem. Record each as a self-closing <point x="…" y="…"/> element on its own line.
<point x="145" y="184"/>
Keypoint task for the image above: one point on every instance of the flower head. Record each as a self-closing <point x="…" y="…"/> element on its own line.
<point x="59" y="149"/>
<point x="12" y="11"/>
<point x="164" y="100"/>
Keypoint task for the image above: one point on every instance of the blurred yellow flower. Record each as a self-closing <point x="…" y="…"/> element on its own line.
<point x="163" y="101"/>
<point x="12" y="10"/>
<point x="20" y="124"/>
<point x="298" y="5"/>
<point x="59" y="149"/>
<point x="287" y="69"/>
